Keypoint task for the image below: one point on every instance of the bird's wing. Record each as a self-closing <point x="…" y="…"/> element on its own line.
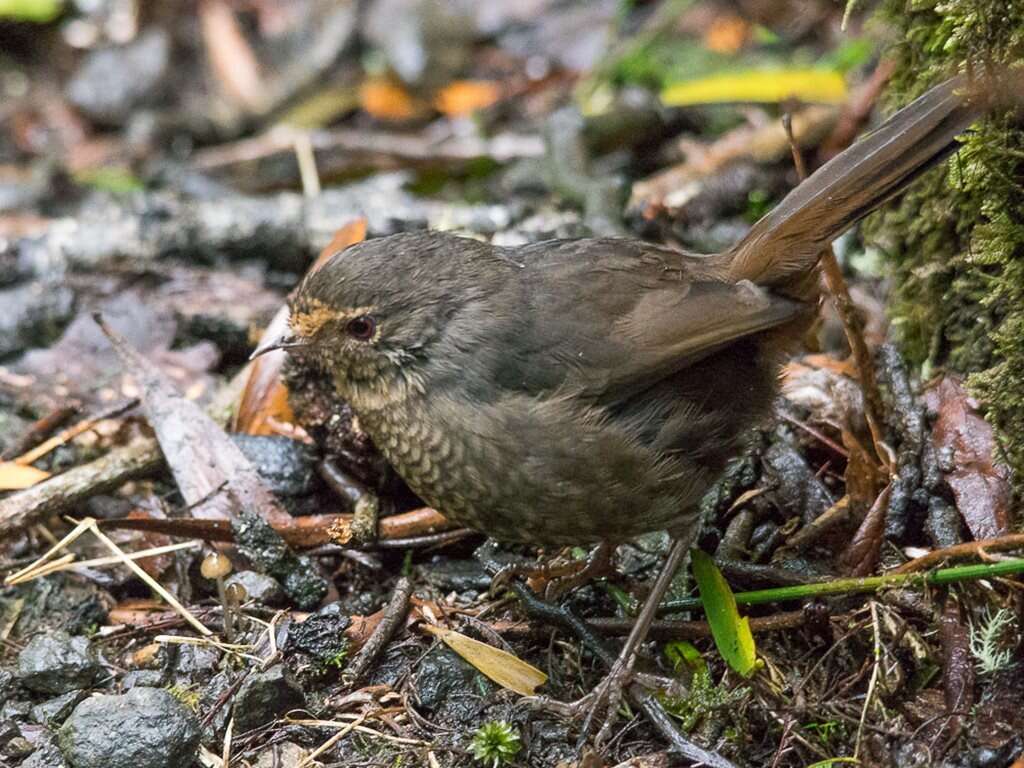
<point x="607" y="318"/>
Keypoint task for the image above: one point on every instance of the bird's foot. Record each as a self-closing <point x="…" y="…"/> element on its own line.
<point x="598" y="564"/>
<point x="558" y="575"/>
<point x="604" y="702"/>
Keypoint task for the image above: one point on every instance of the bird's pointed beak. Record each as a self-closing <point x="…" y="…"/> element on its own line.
<point x="284" y="340"/>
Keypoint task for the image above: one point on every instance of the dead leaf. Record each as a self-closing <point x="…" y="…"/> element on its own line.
<point x="957" y="666"/>
<point x="463" y="97"/>
<point x="386" y="99"/>
<point x="79" y="364"/>
<point x="966" y="443"/>
<point x="231" y="57"/>
<point x="15" y="477"/>
<point x="263" y="407"/>
<point x="214" y="477"/>
<point x="502" y="667"/>
<point x="861" y="556"/>
<point x="727" y="34"/>
<point x="864" y="479"/>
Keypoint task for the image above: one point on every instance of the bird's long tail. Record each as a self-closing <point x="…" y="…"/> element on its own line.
<point x="786" y="244"/>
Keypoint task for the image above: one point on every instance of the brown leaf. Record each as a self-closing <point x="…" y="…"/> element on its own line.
<point x="958" y="665"/>
<point x="231" y="57"/>
<point x="15" y="477"/>
<point x="861" y="556"/>
<point x="864" y="479"/>
<point x="980" y="485"/>
<point x="213" y="475"/>
<point x="263" y="407"/>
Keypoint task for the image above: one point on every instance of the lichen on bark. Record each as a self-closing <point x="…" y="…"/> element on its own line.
<point x="955" y="242"/>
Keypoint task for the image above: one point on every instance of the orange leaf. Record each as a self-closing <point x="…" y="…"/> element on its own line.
<point x="263" y="407"/>
<point x="387" y="100"/>
<point x="15" y="477"/>
<point x="726" y="34"/>
<point x="350" y="234"/>
<point x="463" y="97"/>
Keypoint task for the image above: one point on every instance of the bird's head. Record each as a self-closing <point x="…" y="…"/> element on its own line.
<point x="374" y="313"/>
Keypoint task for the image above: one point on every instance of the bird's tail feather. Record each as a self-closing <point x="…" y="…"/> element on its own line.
<point x="784" y="245"/>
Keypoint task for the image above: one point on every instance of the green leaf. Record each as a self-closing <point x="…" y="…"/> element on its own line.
<point x="683" y="652"/>
<point x="731" y="633"/>
<point x="39" y="11"/>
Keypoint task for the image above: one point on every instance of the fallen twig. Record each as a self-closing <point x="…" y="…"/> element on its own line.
<point x="62" y="492"/>
<point x="394" y="615"/>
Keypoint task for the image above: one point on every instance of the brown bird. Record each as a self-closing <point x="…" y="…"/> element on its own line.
<point x="576" y="391"/>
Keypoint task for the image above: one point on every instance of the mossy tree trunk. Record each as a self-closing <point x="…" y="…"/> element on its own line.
<point x="955" y="242"/>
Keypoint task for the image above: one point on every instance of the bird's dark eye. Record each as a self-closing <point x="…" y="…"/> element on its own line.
<point x="361" y="328"/>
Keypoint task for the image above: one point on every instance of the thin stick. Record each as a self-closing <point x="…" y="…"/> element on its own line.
<point x="226" y="755"/>
<point x="877" y="648"/>
<point x="74" y="431"/>
<point x="345" y="731"/>
<point x="153" y="583"/>
<point x="394" y="615"/>
<point x="64" y="491"/>
<point x="873" y="409"/>
<point x="77" y="531"/>
<point x="68" y="561"/>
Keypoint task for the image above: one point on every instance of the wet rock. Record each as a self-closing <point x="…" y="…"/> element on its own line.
<point x="316" y="650"/>
<point x="285" y="753"/>
<point x="113" y="82"/>
<point x="321" y="635"/>
<point x="143" y="678"/>
<point x="12" y="427"/>
<point x="15" y="709"/>
<point x="449" y="688"/>
<point x="265" y="549"/>
<point x="54" y="712"/>
<point x="34" y="315"/>
<point x="285" y="465"/>
<point x="447" y="575"/>
<point x="154" y="730"/>
<point x="194" y="664"/>
<point x="214" y="692"/>
<point x="263" y="696"/>
<point x="796" y="486"/>
<point x="47" y="755"/>
<point x="57" y="663"/>
<point x="259" y="587"/>
<point x="7" y="683"/>
<point x="17" y="749"/>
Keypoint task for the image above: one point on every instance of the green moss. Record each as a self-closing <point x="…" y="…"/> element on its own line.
<point x="955" y="243"/>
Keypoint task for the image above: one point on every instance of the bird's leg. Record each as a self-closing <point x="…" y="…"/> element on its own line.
<point x="608" y="694"/>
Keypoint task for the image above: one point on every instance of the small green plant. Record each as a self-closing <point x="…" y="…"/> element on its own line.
<point x="337" y="660"/>
<point x="827" y="731"/>
<point x="187" y="694"/>
<point x="992" y="641"/>
<point x="495" y="743"/>
<point x="703" y="698"/>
